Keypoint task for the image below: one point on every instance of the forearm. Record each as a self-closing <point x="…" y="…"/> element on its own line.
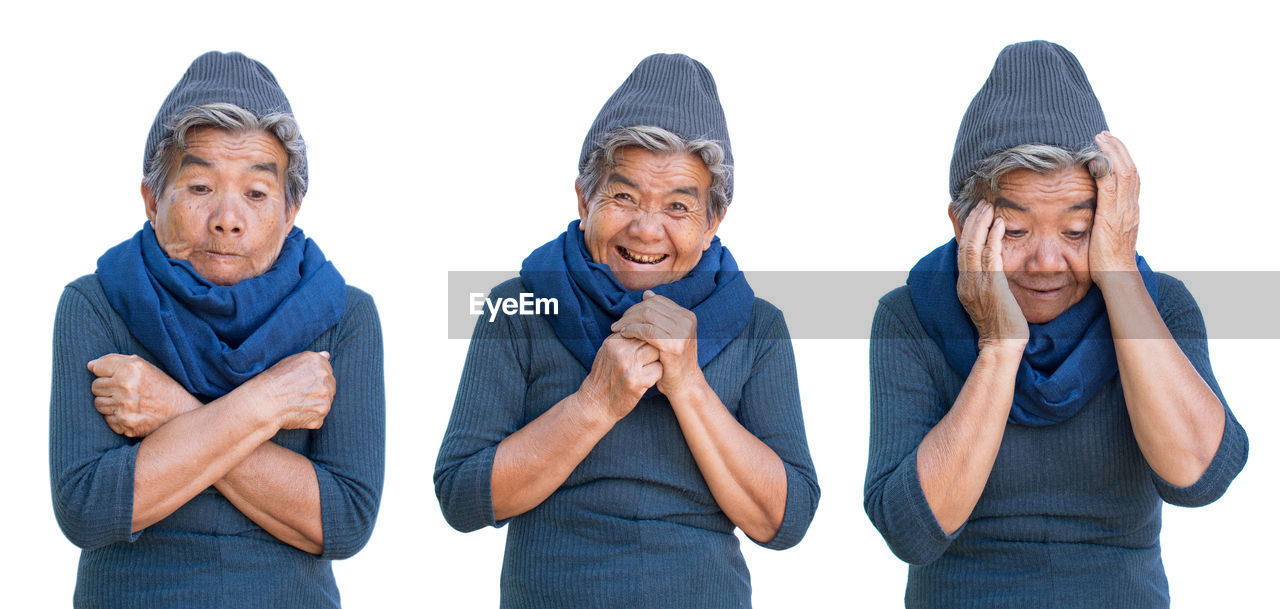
<point x="746" y="477"/>
<point x="277" y="489"/>
<point x="193" y="451"/>
<point x="1177" y="420"/>
<point x="955" y="458"/>
<point x="533" y="462"/>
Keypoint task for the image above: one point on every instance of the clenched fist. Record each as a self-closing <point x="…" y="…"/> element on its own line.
<point x="134" y="397"/>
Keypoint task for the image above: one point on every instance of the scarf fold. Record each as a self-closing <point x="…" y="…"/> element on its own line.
<point x="590" y="298"/>
<point x="1066" y="360"/>
<point x="213" y="338"/>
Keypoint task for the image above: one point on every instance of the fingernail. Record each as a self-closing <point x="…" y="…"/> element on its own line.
<point x="648" y="293"/>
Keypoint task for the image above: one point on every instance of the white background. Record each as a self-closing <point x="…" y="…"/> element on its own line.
<point x="446" y="138"/>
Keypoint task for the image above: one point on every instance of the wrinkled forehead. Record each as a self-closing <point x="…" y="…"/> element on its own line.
<point x="1066" y="190"/>
<point x="245" y="152"/>
<point x="639" y="168"/>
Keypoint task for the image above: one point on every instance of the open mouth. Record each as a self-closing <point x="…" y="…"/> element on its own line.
<point x="639" y="258"/>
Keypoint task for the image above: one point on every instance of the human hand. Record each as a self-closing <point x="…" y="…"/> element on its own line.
<point x="673" y="330"/>
<point x="623" y="370"/>
<point x="299" y="389"/>
<point x="134" y="397"/>
<point x="982" y="286"/>
<point x="1113" y="240"/>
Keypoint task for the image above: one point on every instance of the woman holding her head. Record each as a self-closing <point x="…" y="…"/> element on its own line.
<point x="1037" y="392"/>
<point x="627" y="436"/>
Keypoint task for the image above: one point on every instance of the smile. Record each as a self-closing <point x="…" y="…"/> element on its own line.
<point x="1050" y="292"/>
<point x="639" y="258"/>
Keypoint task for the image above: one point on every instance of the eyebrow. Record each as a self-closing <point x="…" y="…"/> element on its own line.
<point x="191" y="159"/>
<point x="270" y="168"/>
<point x="621" y="179"/>
<point x="1086" y="204"/>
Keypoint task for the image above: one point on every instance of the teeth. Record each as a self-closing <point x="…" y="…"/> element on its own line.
<point x="640" y="258"/>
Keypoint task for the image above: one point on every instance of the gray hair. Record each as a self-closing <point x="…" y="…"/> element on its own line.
<point x="1040" y="158"/>
<point x="656" y="139"/>
<point x="234" y="119"/>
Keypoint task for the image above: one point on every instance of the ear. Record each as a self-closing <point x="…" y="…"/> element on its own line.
<point x="583" y="208"/>
<point x="956" y="224"/>
<point x="149" y="202"/>
<point x="710" y="232"/>
<point x="291" y="212"/>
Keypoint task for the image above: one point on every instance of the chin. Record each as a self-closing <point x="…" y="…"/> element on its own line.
<point x="641" y="280"/>
<point x="217" y="277"/>
<point x="1040" y="312"/>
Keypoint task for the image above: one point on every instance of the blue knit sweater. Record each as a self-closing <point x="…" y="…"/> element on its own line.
<point x="207" y="554"/>
<point x="1070" y="516"/>
<point x="634" y="525"/>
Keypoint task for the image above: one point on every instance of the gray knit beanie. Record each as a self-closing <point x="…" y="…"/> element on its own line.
<point x="1037" y="94"/>
<point x="215" y="77"/>
<point x="674" y="92"/>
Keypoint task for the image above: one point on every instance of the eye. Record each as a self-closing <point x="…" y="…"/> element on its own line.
<point x="199" y="189"/>
<point x="1015" y="233"/>
<point x="679" y="207"/>
<point x="1075" y="235"/>
<point x="256" y="195"/>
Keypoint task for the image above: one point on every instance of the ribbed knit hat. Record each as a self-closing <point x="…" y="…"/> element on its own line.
<point x="1037" y="94"/>
<point x="221" y="78"/>
<point x="674" y="92"/>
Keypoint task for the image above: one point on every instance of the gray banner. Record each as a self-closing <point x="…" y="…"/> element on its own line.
<point x="841" y="304"/>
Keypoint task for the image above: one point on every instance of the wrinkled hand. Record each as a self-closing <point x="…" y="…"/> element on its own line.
<point x="623" y="370"/>
<point x="299" y="389"/>
<point x="982" y="287"/>
<point x="1114" y="238"/>
<point x="673" y="330"/>
<point x="134" y="397"/>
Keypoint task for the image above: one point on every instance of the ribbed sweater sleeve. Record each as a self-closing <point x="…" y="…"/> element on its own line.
<point x="770" y="410"/>
<point x="489" y="406"/>
<point x="348" y="450"/>
<point x="1185" y="322"/>
<point x="905" y="404"/>
<point x="90" y="466"/>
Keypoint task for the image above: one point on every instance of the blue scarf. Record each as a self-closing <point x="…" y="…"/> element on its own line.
<point x="1066" y="361"/>
<point x="213" y="338"/>
<point x="590" y="298"/>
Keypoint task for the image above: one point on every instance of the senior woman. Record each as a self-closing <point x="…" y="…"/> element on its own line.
<point x="625" y="437"/>
<point x="216" y="426"/>
<point x="1037" y="391"/>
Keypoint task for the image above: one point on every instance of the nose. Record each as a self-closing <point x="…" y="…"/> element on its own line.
<point x="1047" y="257"/>
<point x="646" y="226"/>
<point x="227" y="218"/>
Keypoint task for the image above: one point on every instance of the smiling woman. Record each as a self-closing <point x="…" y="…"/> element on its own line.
<point x="648" y="221"/>
<point x="626" y="437"/>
